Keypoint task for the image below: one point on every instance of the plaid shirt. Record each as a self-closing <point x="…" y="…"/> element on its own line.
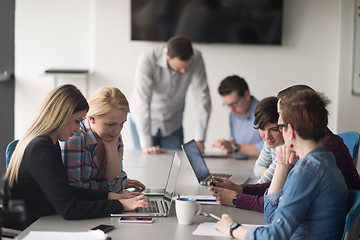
<point x="82" y="165"/>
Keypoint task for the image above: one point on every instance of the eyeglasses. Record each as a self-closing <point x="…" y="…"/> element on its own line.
<point x="280" y="127"/>
<point x="274" y="129"/>
<point x="232" y="104"/>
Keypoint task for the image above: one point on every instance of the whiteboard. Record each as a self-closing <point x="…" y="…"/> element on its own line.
<point x="356" y="74"/>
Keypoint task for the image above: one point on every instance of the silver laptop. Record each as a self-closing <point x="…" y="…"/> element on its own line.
<point x="154" y="191"/>
<point x="198" y="164"/>
<point x="161" y="206"/>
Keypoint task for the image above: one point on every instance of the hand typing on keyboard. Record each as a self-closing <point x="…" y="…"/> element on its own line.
<point x="140" y="201"/>
<point x="159" y="206"/>
<point x="123" y="195"/>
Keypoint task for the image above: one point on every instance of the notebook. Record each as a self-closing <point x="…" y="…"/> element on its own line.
<point x="238" y="156"/>
<point x="161" y="206"/>
<point x="198" y="164"/>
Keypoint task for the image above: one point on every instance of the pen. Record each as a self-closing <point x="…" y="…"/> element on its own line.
<point x="214" y="216"/>
<point x="205" y="200"/>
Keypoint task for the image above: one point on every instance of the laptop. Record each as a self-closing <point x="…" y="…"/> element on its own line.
<point x="198" y="164"/>
<point x="161" y="206"/>
<point x="154" y="191"/>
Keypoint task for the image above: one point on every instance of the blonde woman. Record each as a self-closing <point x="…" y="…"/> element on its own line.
<point x="36" y="172"/>
<point x="93" y="156"/>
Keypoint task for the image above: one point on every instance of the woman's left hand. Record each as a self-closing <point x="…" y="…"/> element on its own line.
<point x="130" y="183"/>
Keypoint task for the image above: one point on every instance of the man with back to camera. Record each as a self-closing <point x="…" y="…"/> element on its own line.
<point x="245" y="139"/>
<point x="162" y="78"/>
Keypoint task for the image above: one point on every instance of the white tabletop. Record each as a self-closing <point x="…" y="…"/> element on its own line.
<point x="153" y="170"/>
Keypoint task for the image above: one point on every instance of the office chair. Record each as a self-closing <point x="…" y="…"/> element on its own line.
<point x="9" y="151"/>
<point x="351" y="140"/>
<point x="15" y="214"/>
<point x="12" y="212"/>
<point x="352" y="222"/>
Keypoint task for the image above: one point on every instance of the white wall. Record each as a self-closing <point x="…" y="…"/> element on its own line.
<point x="95" y="34"/>
<point x="48" y="34"/>
<point x="348" y="105"/>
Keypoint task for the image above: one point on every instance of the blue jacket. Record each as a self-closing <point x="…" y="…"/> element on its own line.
<point x="311" y="205"/>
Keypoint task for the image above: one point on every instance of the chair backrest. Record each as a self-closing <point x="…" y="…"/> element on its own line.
<point x="352" y="222"/>
<point x="351" y="140"/>
<point x="9" y="151"/>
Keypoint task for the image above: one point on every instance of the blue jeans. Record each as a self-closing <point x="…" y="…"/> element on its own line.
<point x="171" y="142"/>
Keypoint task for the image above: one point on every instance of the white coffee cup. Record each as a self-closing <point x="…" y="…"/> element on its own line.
<point x="186" y="210"/>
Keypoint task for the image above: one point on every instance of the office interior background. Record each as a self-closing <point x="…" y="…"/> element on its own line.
<point x="317" y="49"/>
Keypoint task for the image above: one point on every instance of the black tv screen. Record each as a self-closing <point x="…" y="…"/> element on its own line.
<point x="208" y="21"/>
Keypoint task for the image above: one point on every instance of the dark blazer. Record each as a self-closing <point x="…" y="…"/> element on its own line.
<point x="43" y="185"/>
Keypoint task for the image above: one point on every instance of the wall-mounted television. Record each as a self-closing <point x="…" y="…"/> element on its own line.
<point x="208" y="21"/>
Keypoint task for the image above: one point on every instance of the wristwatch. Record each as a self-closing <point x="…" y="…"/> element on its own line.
<point x="234" y="200"/>
<point x="236" y="147"/>
<point x="234" y="226"/>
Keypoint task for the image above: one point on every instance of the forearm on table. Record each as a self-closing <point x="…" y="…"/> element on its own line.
<point x="267" y="174"/>
<point x="260" y="167"/>
<point x="261" y="172"/>
<point x="250" y="202"/>
<point x="255" y="189"/>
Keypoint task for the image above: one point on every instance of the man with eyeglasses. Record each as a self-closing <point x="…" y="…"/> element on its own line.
<point x="245" y="139"/>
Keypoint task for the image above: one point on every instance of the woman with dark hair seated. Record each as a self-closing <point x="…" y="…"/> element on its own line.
<point x="309" y="200"/>
<point x="250" y="196"/>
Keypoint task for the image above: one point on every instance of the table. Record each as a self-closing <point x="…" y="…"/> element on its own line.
<point x="152" y="170"/>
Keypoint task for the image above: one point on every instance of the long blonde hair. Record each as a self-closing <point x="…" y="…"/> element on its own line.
<point x="53" y="115"/>
<point x="105" y="99"/>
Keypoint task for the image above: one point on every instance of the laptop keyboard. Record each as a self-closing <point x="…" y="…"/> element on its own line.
<point x="159" y="206"/>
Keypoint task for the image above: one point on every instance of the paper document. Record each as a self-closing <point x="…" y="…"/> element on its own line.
<point x="208" y="229"/>
<point x="89" y="235"/>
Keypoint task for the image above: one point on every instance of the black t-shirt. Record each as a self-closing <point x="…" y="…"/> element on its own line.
<point x="43" y="185"/>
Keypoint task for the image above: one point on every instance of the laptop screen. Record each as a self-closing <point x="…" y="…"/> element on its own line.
<point x="172" y="178"/>
<point x="196" y="160"/>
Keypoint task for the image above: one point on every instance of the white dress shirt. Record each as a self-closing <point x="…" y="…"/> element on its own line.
<point x="158" y="99"/>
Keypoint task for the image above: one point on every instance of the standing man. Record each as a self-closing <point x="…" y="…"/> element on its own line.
<point x="245" y="139"/>
<point x="162" y="78"/>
